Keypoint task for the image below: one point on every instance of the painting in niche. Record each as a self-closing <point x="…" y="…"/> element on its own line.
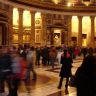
<point x="56" y="38"/>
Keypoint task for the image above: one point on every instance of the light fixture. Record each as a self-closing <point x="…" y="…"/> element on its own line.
<point x="56" y="1"/>
<point x="69" y="4"/>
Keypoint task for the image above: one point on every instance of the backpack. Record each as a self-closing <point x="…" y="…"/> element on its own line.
<point x="18" y="67"/>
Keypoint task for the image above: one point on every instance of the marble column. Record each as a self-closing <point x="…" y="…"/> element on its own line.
<point x="92" y="34"/>
<point x="32" y="38"/>
<point x="44" y="29"/>
<point x="80" y="31"/>
<point x="10" y="26"/>
<point x="20" y="31"/>
<point x="69" y="30"/>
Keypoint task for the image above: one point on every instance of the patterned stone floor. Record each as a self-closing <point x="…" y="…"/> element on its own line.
<point x="47" y="82"/>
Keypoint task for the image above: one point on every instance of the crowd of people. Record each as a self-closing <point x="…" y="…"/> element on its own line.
<point x="17" y="63"/>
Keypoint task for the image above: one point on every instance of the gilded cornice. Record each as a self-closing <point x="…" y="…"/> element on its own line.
<point x="53" y="7"/>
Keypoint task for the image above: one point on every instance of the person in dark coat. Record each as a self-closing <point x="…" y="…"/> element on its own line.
<point x="38" y="55"/>
<point x="45" y="53"/>
<point x="5" y="70"/>
<point x="66" y="61"/>
<point x="84" y="52"/>
<point x="86" y="76"/>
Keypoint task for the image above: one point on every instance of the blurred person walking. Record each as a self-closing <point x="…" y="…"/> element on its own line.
<point x="5" y="70"/>
<point x="52" y="56"/>
<point x="18" y="70"/>
<point x="31" y="59"/>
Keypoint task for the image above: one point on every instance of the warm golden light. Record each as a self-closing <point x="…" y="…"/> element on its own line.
<point x="38" y="19"/>
<point x="38" y="26"/>
<point x="37" y="15"/>
<point x="86" y="24"/>
<point x="26" y="38"/>
<point x="56" y="1"/>
<point x="74" y="25"/>
<point x="57" y="31"/>
<point x="84" y="43"/>
<point x="95" y="26"/>
<point x="86" y="29"/>
<point x="15" y="37"/>
<point x="69" y="4"/>
<point x="15" y="16"/>
<point x="26" y="18"/>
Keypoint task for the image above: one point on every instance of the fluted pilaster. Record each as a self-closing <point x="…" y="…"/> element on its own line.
<point x="32" y="41"/>
<point x="80" y="31"/>
<point x="43" y="15"/>
<point x="20" y="26"/>
<point x="10" y="25"/>
<point x="92" y="41"/>
<point x="69" y="30"/>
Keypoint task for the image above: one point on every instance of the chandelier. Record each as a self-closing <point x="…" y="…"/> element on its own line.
<point x="56" y="1"/>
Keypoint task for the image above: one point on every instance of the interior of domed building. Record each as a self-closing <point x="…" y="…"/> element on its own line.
<point x="48" y="23"/>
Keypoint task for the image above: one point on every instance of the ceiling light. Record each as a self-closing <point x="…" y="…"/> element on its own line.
<point x="69" y="4"/>
<point x="56" y="1"/>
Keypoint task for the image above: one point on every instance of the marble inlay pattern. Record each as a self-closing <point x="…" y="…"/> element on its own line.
<point x="47" y="82"/>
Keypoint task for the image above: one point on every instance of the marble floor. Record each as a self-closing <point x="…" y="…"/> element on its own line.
<point x="47" y="82"/>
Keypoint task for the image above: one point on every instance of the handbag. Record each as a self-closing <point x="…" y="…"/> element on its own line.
<point x="72" y="81"/>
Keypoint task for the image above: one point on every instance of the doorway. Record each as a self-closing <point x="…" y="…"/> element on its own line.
<point x="3" y="34"/>
<point x="57" y="37"/>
